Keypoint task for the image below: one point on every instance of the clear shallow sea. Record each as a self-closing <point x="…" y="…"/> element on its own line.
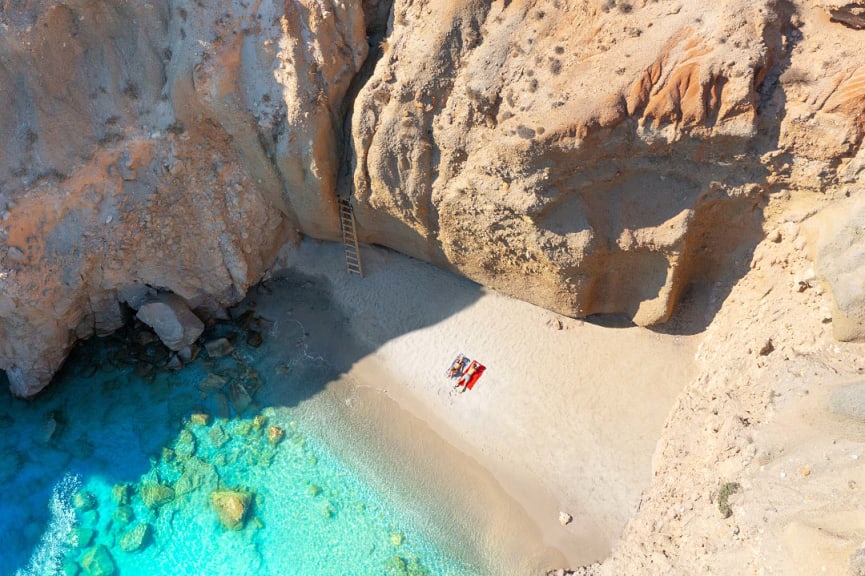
<point x="80" y="465"/>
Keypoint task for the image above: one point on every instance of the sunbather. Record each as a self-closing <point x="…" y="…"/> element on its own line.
<point x="463" y="380"/>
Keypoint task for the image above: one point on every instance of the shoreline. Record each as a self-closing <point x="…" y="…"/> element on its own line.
<point x="410" y="320"/>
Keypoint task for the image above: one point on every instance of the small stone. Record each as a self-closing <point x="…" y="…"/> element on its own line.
<point x="15" y="254"/>
<point x="565" y="518"/>
<point x="259" y="421"/>
<point x="313" y="490"/>
<point x="254" y="339"/>
<point x="767" y="348"/>
<point x="396" y="538"/>
<point x="774" y="236"/>
<point x="136" y="539"/>
<point x="805" y="471"/>
<point x="98" y="562"/>
<point x="174" y="363"/>
<point x="189" y="354"/>
<point x="275" y="434"/>
<point x="218" y="348"/>
<point x="200" y="419"/>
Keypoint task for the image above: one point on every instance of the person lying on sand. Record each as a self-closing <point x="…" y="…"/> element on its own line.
<point x="463" y="380"/>
<point x="457" y="366"/>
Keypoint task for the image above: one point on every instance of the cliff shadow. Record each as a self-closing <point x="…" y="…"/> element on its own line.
<point x="119" y="413"/>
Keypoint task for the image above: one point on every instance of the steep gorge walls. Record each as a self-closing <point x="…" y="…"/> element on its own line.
<point x="592" y="157"/>
<point x="163" y="145"/>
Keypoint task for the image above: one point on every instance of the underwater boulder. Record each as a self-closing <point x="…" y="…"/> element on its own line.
<point x="136" y="539"/>
<point x="218" y="348"/>
<point x="98" y="562"/>
<point x="185" y="445"/>
<point x="156" y="495"/>
<point x="275" y="434"/>
<point x="122" y="493"/>
<point x="82" y="537"/>
<point x="84" y="501"/>
<point x="231" y="507"/>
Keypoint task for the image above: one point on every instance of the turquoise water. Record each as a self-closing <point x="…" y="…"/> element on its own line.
<point x="116" y="465"/>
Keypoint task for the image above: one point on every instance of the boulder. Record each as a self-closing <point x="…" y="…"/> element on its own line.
<point x="98" y="562"/>
<point x="123" y="516"/>
<point x="156" y="495"/>
<point x="218" y="348"/>
<point x="82" y="537"/>
<point x="84" y="501"/>
<point x="172" y="320"/>
<point x="275" y="434"/>
<point x="136" y="539"/>
<point x="122" y="493"/>
<point x="232" y="507"/>
<point x="200" y="419"/>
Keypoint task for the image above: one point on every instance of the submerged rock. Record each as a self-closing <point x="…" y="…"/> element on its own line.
<point x="123" y="516"/>
<point x="218" y="435"/>
<point x="136" y="539"/>
<point x="231" y="507"/>
<point x="212" y="382"/>
<point x="122" y="493"/>
<point x="156" y="495"/>
<point x="275" y="434"/>
<point x="185" y="445"/>
<point x="70" y="568"/>
<point x="82" y="537"/>
<point x="200" y="419"/>
<point x="240" y="397"/>
<point x="196" y="474"/>
<point x="84" y="501"/>
<point x="98" y="562"/>
<point x="172" y="320"/>
<point x="254" y="339"/>
<point x="218" y="348"/>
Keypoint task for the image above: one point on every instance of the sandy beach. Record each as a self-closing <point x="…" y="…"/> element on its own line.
<point x="566" y="417"/>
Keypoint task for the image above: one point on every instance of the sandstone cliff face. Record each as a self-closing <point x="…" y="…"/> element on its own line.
<point x="573" y="154"/>
<point x="591" y="157"/>
<point x="158" y="145"/>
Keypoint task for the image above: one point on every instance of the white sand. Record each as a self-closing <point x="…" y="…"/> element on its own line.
<point x="564" y="419"/>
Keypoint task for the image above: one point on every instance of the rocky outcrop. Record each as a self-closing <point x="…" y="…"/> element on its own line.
<point x="169" y="145"/>
<point x="560" y="153"/>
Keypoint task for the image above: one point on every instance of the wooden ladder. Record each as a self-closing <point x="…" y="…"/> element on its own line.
<point x="349" y="237"/>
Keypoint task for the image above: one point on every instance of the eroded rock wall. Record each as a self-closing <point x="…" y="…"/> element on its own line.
<point x="588" y="156"/>
<point x="158" y="145"/>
